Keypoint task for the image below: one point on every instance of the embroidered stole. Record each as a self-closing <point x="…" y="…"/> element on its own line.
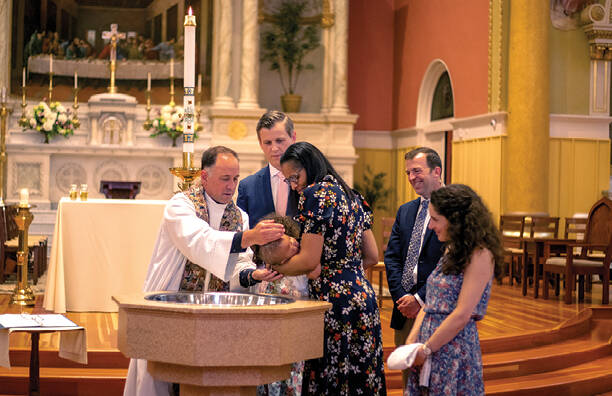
<point x="194" y="276"/>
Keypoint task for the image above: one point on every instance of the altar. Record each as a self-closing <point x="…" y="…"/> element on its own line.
<point x="101" y="248"/>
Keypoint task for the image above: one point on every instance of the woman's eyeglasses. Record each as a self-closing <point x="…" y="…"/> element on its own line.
<point x="293" y="178"/>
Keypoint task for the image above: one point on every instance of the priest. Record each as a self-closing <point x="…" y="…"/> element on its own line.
<point x="202" y="245"/>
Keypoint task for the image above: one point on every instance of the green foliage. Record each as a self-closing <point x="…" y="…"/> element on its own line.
<point x="285" y="43"/>
<point x="373" y="189"/>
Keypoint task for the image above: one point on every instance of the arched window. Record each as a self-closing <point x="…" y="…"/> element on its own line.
<point x="442" y="103"/>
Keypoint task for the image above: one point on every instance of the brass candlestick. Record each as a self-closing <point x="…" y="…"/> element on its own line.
<point x="187" y="173"/>
<point x="50" y="88"/>
<point x="172" y="104"/>
<point x="75" y="106"/>
<point x="23" y="121"/>
<point x="23" y="295"/>
<point x="148" y="123"/>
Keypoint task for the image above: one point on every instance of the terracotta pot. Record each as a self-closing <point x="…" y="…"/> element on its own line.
<point x="291" y="103"/>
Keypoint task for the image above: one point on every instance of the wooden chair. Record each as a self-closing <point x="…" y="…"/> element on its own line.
<point x="512" y="228"/>
<point x="574" y="228"/>
<point x="536" y="226"/>
<point x="9" y="243"/>
<point x="387" y="225"/>
<point x="597" y="237"/>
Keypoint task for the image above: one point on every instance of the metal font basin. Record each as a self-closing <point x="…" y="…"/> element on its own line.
<point x="219" y="298"/>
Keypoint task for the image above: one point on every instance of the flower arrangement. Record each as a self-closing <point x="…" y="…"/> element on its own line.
<point x="170" y="122"/>
<point x="50" y="120"/>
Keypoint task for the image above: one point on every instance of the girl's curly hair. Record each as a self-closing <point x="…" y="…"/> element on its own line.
<point x="470" y="226"/>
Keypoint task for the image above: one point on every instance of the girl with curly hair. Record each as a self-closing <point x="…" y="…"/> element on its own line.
<point x="458" y="291"/>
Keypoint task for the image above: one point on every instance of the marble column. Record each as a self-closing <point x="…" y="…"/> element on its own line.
<point x="249" y="60"/>
<point x="340" y="40"/>
<point x="222" y="54"/>
<point x="525" y="164"/>
<point x="5" y="44"/>
<point x="328" y="62"/>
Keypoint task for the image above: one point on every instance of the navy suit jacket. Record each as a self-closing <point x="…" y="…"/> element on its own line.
<point x="255" y="197"/>
<point x="395" y="257"/>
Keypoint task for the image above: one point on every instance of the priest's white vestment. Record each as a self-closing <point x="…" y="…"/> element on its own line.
<point x="183" y="235"/>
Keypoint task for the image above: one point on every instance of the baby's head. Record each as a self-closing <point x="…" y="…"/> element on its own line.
<point x="276" y="252"/>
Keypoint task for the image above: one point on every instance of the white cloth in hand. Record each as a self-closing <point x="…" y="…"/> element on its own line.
<point x="403" y="357"/>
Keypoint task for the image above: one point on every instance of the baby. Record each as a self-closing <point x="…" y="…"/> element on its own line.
<point x="276" y="252"/>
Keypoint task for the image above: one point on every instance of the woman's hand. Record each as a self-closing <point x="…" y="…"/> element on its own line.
<point x="315" y="272"/>
<point x="420" y="358"/>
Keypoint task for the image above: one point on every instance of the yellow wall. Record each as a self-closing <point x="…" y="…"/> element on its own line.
<point x="379" y="160"/>
<point x="478" y="163"/>
<point x="579" y="172"/>
<point x="569" y="71"/>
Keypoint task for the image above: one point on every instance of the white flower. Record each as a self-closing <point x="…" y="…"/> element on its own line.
<point x="156" y="123"/>
<point x="175" y="118"/>
<point x="167" y="109"/>
<point x="48" y="125"/>
<point x="61" y="108"/>
<point x="62" y="118"/>
<point x="32" y="122"/>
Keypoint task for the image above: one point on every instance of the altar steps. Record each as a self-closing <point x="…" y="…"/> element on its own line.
<point x="104" y="374"/>
<point x="574" y="358"/>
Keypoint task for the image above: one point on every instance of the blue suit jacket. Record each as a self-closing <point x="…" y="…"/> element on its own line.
<point x="255" y="197"/>
<point x="395" y="257"/>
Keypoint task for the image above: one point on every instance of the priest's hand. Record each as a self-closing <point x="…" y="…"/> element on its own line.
<point x="265" y="231"/>
<point x="265" y="274"/>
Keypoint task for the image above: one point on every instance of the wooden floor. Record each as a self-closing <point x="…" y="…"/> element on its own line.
<point x="509" y="313"/>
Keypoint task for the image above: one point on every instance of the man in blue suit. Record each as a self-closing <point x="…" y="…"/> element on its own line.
<point x="413" y="250"/>
<point x="266" y="192"/>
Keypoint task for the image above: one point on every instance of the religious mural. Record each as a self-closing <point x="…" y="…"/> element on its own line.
<point x="77" y="40"/>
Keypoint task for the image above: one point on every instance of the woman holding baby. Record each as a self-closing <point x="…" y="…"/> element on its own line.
<point x="337" y="244"/>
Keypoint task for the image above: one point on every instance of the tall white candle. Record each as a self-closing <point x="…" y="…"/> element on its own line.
<point x="3" y="95"/>
<point x="24" y="196"/>
<point x="50" y="63"/>
<point x="199" y="83"/>
<point x="23" y="78"/>
<point x="148" y="81"/>
<point x="76" y="80"/>
<point x="171" y="67"/>
<point x="188" y="82"/>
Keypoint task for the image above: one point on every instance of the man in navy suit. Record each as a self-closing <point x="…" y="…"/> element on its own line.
<point x="259" y="194"/>
<point x="413" y="250"/>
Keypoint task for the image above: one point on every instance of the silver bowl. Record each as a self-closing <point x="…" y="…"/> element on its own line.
<point x="219" y="298"/>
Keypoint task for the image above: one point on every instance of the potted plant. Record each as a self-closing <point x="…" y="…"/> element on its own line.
<point x="373" y="189"/>
<point x="285" y="44"/>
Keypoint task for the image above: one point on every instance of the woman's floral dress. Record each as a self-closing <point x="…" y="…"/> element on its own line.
<point x="456" y="368"/>
<point x="352" y="362"/>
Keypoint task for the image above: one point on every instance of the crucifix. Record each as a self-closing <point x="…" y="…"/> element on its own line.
<point x="113" y="35"/>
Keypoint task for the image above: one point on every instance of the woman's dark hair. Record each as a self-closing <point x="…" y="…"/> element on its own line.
<point x="470" y="226"/>
<point x="314" y="162"/>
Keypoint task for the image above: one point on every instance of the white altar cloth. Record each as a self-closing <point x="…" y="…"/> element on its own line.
<point x="99" y="68"/>
<point x="101" y="248"/>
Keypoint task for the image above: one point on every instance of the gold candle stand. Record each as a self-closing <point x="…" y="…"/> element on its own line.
<point x="187" y="173"/>
<point x="148" y="123"/>
<point x="172" y="104"/>
<point x="23" y="121"/>
<point x="50" y="96"/>
<point x="75" y="106"/>
<point x="23" y="295"/>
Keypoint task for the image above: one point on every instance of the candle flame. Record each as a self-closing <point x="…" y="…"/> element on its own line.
<point x="190" y="11"/>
